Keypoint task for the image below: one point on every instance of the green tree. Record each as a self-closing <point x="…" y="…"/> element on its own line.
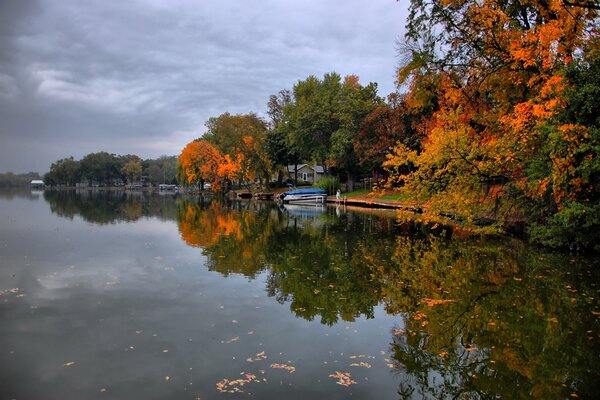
<point x="101" y="167"/>
<point x="66" y="171"/>
<point x="356" y="102"/>
<point x="132" y="170"/>
<point x="226" y="132"/>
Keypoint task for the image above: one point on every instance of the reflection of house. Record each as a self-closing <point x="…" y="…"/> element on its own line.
<point x="37" y="184"/>
<point x="306" y="173"/>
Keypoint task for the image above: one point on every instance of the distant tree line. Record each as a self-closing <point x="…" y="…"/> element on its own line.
<point x="9" y="179"/>
<point x="105" y="169"/>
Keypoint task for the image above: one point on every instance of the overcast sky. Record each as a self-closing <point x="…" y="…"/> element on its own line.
<point x="143" y="76"/>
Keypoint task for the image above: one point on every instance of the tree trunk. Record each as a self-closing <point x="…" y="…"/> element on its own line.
<point x="350" y="183"/>
<point x="296" y="174"/>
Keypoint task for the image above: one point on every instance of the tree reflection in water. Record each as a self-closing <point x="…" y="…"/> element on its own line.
<point x="479" y="318"/>
<point x="476" y="318"/>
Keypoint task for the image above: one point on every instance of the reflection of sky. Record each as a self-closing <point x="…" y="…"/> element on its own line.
<point x="131" y="303"/>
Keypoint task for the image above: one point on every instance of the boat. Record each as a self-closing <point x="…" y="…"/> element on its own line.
<point x="303" y="196"/>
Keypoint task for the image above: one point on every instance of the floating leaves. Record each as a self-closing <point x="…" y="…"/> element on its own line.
<point x="259" y="357"/>
<point x="235" y="386"/>
<point x="287" y="367"/>
<point x="343" y="378"/>
<point x="232" y="340"/>
<point x="69" y="364"/>
<point x="361" y="364"/>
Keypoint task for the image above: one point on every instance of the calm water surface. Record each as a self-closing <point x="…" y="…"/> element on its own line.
<point x="129" y="296"/>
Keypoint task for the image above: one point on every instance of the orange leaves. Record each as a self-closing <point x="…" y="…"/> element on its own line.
<point x="205" y="227"/>
<point x="286" y="367"/>
<point x="200" y="160"/>
<point x="343" y="378"/>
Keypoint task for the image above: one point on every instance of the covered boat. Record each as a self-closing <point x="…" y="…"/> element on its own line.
<point x="303" y="196"/>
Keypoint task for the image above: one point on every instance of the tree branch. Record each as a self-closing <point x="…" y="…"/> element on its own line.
<point x="591" y="4"/>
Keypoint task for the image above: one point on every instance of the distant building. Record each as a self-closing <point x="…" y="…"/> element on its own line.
<point x="37" y="184"/>
<point x="306" y="173"/>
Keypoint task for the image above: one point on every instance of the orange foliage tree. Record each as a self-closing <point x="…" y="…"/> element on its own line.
<point x="500" y="74"/>
<point x="201" y="161"/>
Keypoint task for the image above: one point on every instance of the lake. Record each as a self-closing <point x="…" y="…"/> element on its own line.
<point x="115" y="295"/>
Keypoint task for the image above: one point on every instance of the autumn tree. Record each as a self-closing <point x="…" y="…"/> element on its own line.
<point x="500" y="71"/>
<point x="389" y="123"/>
<point x="242" y="137"/>
<point x="200" y="162"/>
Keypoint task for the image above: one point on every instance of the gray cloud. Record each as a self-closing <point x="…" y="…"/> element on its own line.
<point x="143" y="76"/>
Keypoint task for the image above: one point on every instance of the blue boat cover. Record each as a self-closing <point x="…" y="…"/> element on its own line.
<point x="306" y="191"/>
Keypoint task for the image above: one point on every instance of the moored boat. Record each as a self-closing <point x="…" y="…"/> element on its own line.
<point x="303" y="196"/>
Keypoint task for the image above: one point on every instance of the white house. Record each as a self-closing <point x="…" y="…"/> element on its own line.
<point x="37" y="184"/>
<point x="307" y="173"/>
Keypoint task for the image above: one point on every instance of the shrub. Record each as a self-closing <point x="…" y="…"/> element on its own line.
<point x="329" y="183"/>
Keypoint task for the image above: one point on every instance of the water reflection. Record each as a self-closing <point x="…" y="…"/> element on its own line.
<point x="109" y="206"/>
<point x="480" y="318"/>
<point x="476" y="318"/>
<point x="20" y="193"/>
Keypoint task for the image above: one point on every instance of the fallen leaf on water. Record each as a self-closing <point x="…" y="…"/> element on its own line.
<point x="288" y="368"/>
<point x="343" y="378"/>
<point x="260" y="356"/>
<point x="167" y="378"/>
<point x="361" y="364"/>
<point x="68" y="364"/>
<point x="227" y="386"/>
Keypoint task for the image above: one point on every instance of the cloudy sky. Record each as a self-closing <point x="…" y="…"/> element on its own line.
<point x="142" y="76"/>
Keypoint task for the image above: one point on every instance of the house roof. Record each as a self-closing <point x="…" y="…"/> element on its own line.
<point x="317" y="168"/>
